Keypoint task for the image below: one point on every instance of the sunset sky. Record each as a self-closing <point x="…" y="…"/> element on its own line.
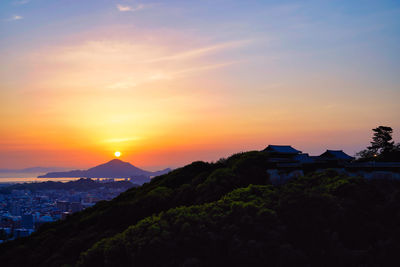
<point x="171" y="82"/>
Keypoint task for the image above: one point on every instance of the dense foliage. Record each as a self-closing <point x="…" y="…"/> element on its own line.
<point x="227" y="214"/>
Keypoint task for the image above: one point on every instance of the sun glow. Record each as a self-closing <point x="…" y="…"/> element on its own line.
<point x="117" y="154"/>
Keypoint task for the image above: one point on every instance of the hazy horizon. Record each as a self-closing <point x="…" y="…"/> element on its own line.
<point x="168" y="83"/>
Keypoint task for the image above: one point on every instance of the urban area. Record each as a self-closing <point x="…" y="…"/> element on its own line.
<point x="24" y="207"/>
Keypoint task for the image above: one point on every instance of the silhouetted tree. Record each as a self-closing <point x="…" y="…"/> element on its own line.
<point x="366" y="154"/>
<point x="381" y="146"/>
<point x="381" y="141"/>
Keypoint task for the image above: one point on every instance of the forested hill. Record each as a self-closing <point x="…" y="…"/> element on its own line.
<point x="226" y="214"/>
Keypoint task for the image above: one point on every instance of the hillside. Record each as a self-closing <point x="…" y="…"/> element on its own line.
<point x="113" y="169"/>
<point x="226" y="214"/>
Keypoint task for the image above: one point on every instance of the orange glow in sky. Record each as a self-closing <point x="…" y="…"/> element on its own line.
<point x="166" y="93"/>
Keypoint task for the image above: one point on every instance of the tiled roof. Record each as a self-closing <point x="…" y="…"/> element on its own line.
<point x="282" y="149"/>
<point x="337" y="154"/>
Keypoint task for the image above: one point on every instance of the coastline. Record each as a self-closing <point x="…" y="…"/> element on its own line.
<point x="17" y="180"/>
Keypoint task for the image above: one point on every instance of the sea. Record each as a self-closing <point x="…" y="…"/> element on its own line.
<point x="18" y="180"/>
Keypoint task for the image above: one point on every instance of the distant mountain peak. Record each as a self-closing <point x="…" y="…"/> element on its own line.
<point x="114" y="168"/>
<point x="116" y="161"/>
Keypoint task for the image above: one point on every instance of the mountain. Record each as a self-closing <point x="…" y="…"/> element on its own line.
<point x="113" y="169"/>
<point x="227" y="213"/>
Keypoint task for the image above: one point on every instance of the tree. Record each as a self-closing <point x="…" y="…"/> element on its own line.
<point x="381" y="141"/>
<point x="366" y="154"/>
<point x="382" y="147"/>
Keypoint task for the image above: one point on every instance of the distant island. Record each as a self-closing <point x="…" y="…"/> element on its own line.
<point x="113" y="169"/>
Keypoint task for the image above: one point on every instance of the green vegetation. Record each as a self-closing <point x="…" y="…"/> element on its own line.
<point x="226" y="214"/>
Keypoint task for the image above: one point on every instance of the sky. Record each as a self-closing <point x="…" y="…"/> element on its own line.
<point x="171" y="82"/>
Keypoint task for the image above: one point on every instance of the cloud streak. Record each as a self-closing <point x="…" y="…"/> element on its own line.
<point x="204" y="68"/>
<point x="124" y="8"/>
<point x="14" y="18"/>
<point x="200" y="51"/>
<point x="126" y="65"/>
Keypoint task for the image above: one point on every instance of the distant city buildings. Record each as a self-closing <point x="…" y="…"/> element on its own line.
<point x="23" y="211"/>
<point x="27" y="221"/>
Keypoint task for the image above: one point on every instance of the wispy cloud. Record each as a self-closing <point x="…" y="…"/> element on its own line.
<point x="200" y="51"/>
<point x="124" y="8"/>
<point x="128" y="65"/>
<point x="162" y="75"/>
<point x="15" y="17"/>
<point x="206" y="67"/>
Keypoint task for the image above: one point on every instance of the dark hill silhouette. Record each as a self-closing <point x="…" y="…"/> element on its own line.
<point x="226" y="213"/>
<point x="113" y="169"/>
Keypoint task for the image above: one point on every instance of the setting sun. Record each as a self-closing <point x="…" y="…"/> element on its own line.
<point x="117" y="154"/>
